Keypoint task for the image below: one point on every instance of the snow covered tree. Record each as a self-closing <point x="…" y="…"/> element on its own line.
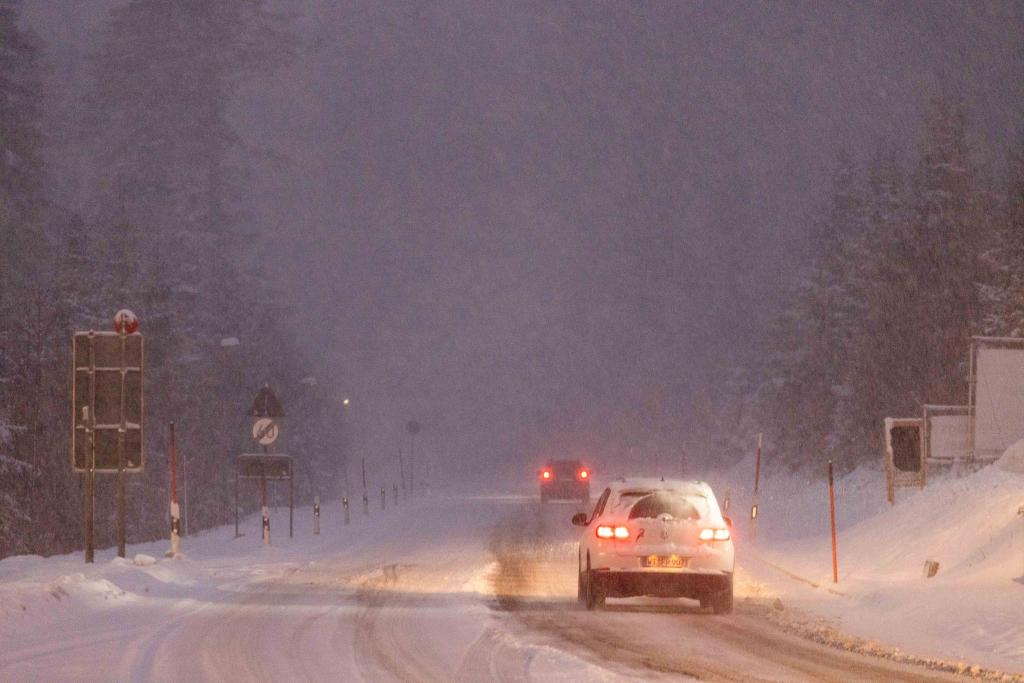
<point x="173" y="226"/>
<point x="1002" y="292"/>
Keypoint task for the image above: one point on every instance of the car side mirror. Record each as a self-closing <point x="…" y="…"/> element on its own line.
<point x="728" y="521"/>
<point x="579" y="519"/>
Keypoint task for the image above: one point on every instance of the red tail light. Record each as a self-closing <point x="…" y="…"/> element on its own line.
<point x="546" y="474"/>
<point x="583" y="475"/>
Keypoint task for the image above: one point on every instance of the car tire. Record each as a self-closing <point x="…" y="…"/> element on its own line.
<point x="721" y="601"/>
<point x="592" y="594"/>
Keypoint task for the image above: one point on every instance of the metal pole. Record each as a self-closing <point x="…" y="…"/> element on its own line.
<point x="90" y="474"/>
<point x="236" y="499"/>
<point x="383" y="498"/>
<point x="412" y="464"/>
<point x="184" y="494"/>
<point x="263" y="505"/>
<point x="394" y="489"/>
<point x="366" y="498"/>
<point x="316" y="515"/>
<point x="344" y="504"/>
<point x="291" y="503"/>
<point x="757" y="468"/>
<point x="401" y="468"/>
<point x="832" y="515"/>
<point x="175" y="511"/>
<point x="757" y="488"/>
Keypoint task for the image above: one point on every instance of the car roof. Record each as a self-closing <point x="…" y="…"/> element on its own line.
<point x="692" y="485"/>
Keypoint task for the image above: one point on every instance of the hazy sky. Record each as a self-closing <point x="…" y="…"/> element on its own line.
<point x="534" y="225"/>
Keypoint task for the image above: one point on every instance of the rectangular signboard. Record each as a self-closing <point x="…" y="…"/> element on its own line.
<point x="97" y="399"/>
<point x="264" y="466"/>
<point x="997" y="396"/>
<point x="946" y="434"/>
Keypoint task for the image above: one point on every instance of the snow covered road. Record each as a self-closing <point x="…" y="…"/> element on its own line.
<point x="445" y="589"/>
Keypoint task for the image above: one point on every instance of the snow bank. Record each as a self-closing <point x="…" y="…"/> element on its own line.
<point x="970" y="525"/>
<point x="1013" y="459"/>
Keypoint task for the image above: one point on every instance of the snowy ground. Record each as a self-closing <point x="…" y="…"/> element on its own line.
<point x="483" y="588"/>
<point x="969" y="612"/>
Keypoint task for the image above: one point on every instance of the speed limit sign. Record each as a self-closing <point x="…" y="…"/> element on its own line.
<point x="264" y="431"/>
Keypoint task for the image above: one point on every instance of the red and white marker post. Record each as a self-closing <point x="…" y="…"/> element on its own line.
<point x="175" y="550"/>
<point x="832" y="515"/>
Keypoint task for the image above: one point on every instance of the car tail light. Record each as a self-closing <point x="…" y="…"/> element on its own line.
<point x="616" y="532"/>
<point x="583" y="475"/>
<point x="714" y="535"/>
<point x="546" y="474"/>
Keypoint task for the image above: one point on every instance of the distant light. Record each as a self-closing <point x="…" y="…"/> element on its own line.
<point x="344" y="402"/>
<point x="229" y="341"/>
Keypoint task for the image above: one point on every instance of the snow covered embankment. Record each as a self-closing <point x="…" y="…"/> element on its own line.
<point x="969" y="611"/>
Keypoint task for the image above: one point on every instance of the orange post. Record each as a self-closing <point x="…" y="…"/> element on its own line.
<point x="832" y="514"/>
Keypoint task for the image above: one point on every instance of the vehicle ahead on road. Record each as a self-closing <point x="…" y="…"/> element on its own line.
<point x="659" y="538"/>
<point x="564" y="480"/>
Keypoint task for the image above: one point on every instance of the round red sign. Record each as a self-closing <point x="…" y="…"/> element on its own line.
<point x="125" y="322"/>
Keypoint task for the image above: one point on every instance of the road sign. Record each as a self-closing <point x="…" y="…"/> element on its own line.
<point x="265" y="431"/>
<point x="125" y="321"/>
<point x="98" y="394"/>
<point x="266" y="404"/>
<point x="264" y="466"/>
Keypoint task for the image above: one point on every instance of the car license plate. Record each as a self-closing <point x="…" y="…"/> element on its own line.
<point x="669" y="562"/>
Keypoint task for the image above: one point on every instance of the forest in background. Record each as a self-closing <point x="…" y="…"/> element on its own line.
<point x="908" y="260"/>
<point x="130" y="184"/>
<point x="156" y="223"/>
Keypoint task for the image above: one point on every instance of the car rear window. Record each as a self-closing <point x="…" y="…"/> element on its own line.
<point x="565" y="468"/>
<point x="675" y="505"/>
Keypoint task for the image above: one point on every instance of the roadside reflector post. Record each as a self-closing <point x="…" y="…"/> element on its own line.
<point x="316" y="515"/>
<point x="832" y="516"/>
<point x="266" y="525"/>
<point x="757" y="487"/>
<point x="175" y="511"/>
<point x="757" y="466"/>
<point x="344" y="505"/>
<point x="383" y="498"/>
<point x="394" y="490"/>
<point x="366" y="498"/>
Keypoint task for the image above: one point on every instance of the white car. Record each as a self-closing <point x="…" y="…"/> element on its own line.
<point x="656" y="537"/>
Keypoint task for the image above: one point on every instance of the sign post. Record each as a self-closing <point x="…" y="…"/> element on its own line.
<point x="107" y="410"/>
<point x="265" y="467"/>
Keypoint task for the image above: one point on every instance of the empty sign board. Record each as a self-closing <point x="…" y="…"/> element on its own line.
<point x="100" y="392"/>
